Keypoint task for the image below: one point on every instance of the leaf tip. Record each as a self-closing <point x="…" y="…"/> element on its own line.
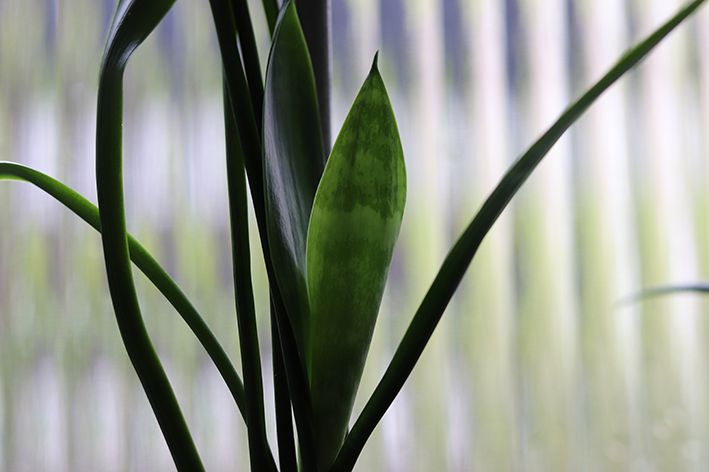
<point x="375" y="63"/>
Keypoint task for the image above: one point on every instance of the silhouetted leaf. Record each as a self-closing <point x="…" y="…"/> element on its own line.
<point x="133" y="22"/>
<point x="293" y="162"/>
<point x="142" y="259"/>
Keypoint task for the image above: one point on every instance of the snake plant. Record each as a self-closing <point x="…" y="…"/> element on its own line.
<point x="327" y="222"/>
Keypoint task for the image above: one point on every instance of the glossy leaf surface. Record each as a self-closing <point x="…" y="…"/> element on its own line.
<point x="353" y="230"/>
<point x="293" y="162"/>
<point x="132" y="23"/>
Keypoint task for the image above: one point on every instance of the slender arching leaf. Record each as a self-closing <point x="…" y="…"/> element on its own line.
<point x="252" y="66"/>
<point x="353" y="229"/>
<point x="665" y="290"/>
<point x="241" y="98"/>
<point x="293" y="162"/>
<point x="259" y="453"/>
<point x="458" y="259"/>
<point x="133" y="22"/>
<point x="287" y="456"/>
<point x="142" y="259"/>
<point x="316" y="22"/>
<point x="270" y="9"/>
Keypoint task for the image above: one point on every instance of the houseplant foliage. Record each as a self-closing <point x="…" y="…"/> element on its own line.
<point x="327" y="227"/>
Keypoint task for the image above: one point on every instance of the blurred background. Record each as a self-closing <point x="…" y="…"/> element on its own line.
<point x="536" y="366"/>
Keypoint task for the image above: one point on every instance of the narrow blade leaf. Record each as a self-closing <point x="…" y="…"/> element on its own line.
<point x="665" y="290"/>
<point x="133" y="22"/>
<point x="145" y="262"/>
<point x="259" y="453"/>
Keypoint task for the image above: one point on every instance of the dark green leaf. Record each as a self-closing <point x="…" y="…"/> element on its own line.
<point x="270" y="9"/>
<point x="143" y="261"/>
<point x="297" y="387"/>
<point x="287" y="457"/>
<point x="134" y="21"/>
<point x="132" y="24"/>
<point x="665" y="290"/>
<point x="293" y="162"/>
<point x="247" y="42"/>
<point x="241" y="97"/>
<point x="259" y="452"/>
<point x="316" y="22"/>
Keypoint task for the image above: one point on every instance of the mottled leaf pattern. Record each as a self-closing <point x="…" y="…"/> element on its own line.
<point x="353" y="229"/>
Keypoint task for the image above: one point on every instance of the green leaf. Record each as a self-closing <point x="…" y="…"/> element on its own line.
<point x="247" y="46"/>
<point x="133" y="22"/>
<point x="353" y="230"/>
<point x="458" y="259"/>
<point x="242" y="97"/>
<point x="284" y="418"/>
<point x="293" y="162"/>
<point x="665" y="290"/>
<point x="298" y="388"/>
<point x="259" y="452"/>
<point x="142" y="259"/>
<point x="270" y="9"/>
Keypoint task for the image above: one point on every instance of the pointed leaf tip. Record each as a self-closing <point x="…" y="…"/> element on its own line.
<point x="353" y="229"/>
<point x="375" y="63"/>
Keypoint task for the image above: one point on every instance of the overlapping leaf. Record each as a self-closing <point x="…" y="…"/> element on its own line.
<point x="142" y="259"/>
<point x="353" y="229"/>
<point x="293" y="162"/>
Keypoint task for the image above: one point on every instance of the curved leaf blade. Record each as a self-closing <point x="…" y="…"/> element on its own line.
<point x="353" y="229"/>
<point x="293" y="162"/>
<point x="133" y="22"/>
<point x="665" y="290"/>
<point x="145" y="262"/>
